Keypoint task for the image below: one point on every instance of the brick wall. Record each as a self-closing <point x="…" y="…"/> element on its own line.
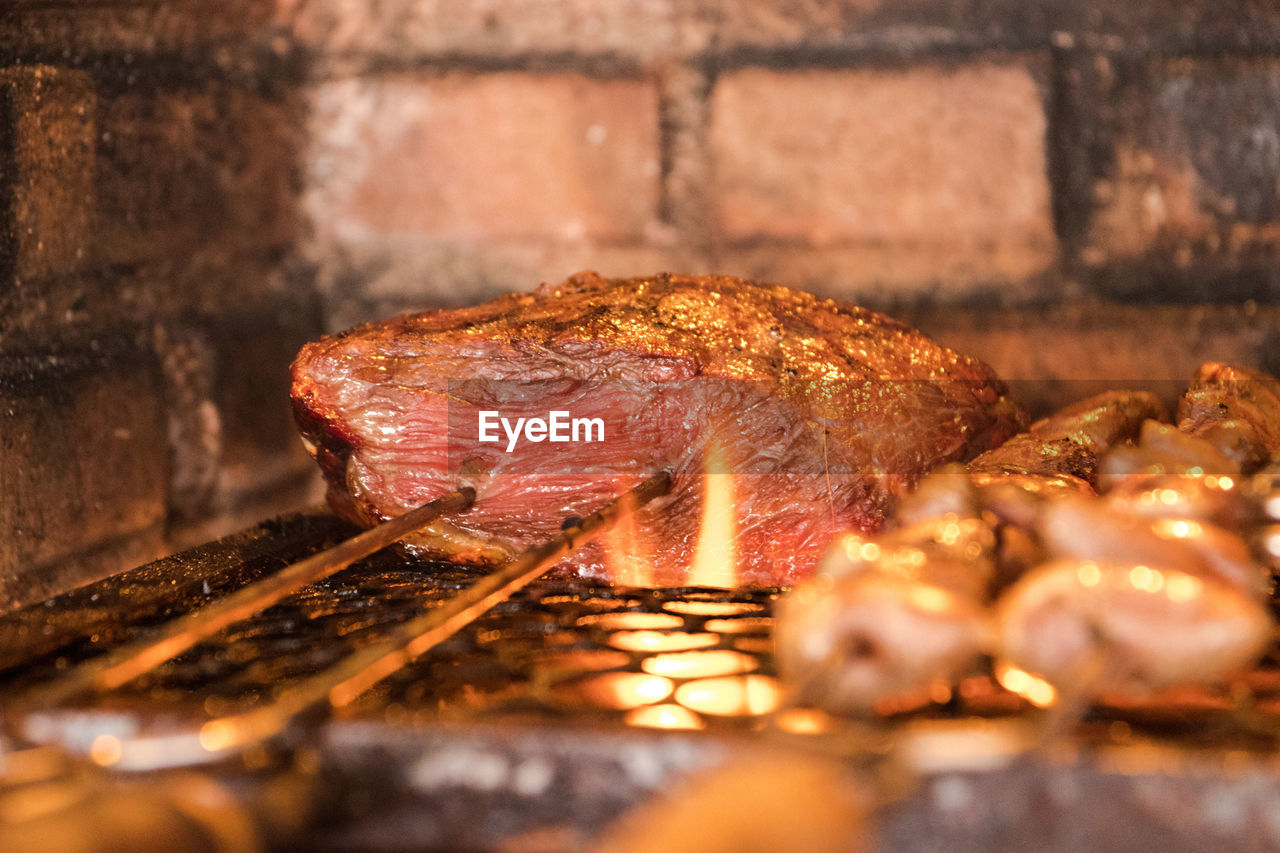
<point x="190" y="189"/>
<point x="966" y="151"/>
<point x="148" y="304"/>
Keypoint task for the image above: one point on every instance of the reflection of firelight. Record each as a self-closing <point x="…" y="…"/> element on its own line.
<point x="736" y="695"/>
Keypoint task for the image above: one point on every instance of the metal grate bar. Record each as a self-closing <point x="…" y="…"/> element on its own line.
<point x="132" y="660"/>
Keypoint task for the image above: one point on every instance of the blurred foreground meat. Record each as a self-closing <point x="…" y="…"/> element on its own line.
<point x="822" y="411"/>
<point x="896" y="613"/>
<point x="1152" y="583"/>
<point x="1156" y="583"/>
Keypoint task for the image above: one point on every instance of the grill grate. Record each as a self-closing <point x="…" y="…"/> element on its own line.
<point x="564" y="649"/>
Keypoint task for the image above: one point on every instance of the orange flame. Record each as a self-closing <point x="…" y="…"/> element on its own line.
<point x="1031" y="687"/>
<point x="628" y="555"/>
<point x="715" y="560"/>
<point x="625" y="553"/>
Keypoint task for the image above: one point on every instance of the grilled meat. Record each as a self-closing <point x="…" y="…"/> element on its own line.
<point x="1237" y="409"/>
<point x="823" y="411"/>
<point x="1098" y="626"/>
<point x="1149" y="586"/>
<point x="1070" y="441"/>
<point x="892" y="614"/>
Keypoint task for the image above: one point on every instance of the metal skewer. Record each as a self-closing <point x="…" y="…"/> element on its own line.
<point x="345" y="681"/>
<point x="177" y="636"/>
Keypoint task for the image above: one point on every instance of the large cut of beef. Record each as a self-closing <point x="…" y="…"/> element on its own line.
<point x="815" y="413"/>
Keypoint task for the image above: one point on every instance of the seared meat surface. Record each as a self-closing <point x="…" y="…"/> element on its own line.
<point x="1162" y="579"/>
<point x="823" y="411"/>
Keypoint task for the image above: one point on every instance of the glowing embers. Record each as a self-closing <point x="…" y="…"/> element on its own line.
<point x="712" y="608"/>
<point x="666" y="716"/>
<point x="632" y="621"/>
<point x="699" y="664"/>
<point x="745" y="625"/>
<point x="730" y="696"/>
<point x="659" y="641"/>
<point x="614" y="690"/>
<point x="803" y="721"/>
<point x="1033" y="688"/>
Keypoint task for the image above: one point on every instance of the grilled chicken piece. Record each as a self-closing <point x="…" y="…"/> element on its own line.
<point x="1115" y="626"/>
<point x="1234" y="407"/>
<point x="824" y="411"/>
<point x="1092" y="531"/>
<point x="893" y="614"/>
<point x="888" y="616"/>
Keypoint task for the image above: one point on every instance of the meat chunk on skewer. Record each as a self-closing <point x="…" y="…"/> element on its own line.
<point x="1090" y="587"/>
<point x="889" y="615"/>
<point x="1106" y="626"/>
<point x="896" y="613"/>
<point x="1235" y="407"/>
<point x="1070" y="441"/>
<point x="1091" y="530"/>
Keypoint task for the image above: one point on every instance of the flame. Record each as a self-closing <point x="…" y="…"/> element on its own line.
<point x="626" y="556"/>
<point x="731" y="695"/>
<point x="664" y="717"/>
<point x="715" y="560"/>
<point x="1033" y="688"/>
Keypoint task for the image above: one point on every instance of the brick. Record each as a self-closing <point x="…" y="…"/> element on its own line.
<point x="248" y="379"/>
<point x="1055" y="356"/>
<point x="459" y="157"/>
<point x="186" y="174"/>
<point x="83" y="467"/>
<point x="240" y="37"/>
<point x="347" y="35"/>
<point x="46" y="170"/>
<point x="937" y="169"/>
<point x="923" y="27"/>
<point x="1186" y="199"/>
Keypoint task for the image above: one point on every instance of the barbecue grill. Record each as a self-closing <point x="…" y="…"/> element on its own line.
<point x="553" y="713"/>
<point x="1082" y="196"/>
